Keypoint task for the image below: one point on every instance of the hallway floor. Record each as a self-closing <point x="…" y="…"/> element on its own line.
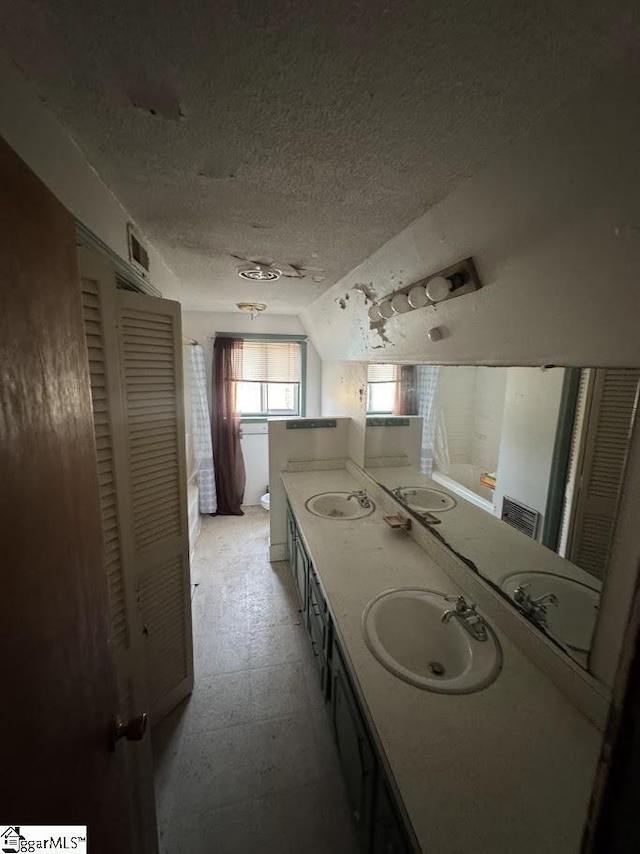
<point x="247" y="764"/>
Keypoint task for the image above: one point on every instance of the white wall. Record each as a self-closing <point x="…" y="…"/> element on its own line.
<point x="36" y="135"/>
<point x="488" y="409"/>
<point x="255" y="450"/>
<point x="344" y="392"/>
<point x="469" y="403"/>
<point x="201" y="325"/>
<point x="529" y="424"/>
<point x="554" y="227"/>
<point x="392" y="440"/>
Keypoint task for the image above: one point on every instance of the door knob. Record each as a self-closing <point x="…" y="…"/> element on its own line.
<point x="132" y="729"/>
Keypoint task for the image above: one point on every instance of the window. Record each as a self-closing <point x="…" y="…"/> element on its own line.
<point x="270" y="380"/>
<point x="382" y="381"/>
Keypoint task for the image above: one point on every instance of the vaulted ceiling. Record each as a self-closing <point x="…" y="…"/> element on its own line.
<point x="299" y="132"/>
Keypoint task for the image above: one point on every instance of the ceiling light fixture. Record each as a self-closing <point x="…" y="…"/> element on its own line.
<point x="256" y="272"/>
<point x="254" y="308"/>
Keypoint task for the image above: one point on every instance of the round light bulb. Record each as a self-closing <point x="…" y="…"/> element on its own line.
<point x="417" y="297"/>
<point x="386" y="309"/>
<point x="438" y="289"/>
<point x="400" y="304"/>
<point x="374" y="313"/>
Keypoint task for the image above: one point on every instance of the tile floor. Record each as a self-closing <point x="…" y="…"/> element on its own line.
<point x="248" y="763"/>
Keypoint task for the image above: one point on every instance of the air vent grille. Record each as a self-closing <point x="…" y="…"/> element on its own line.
<point x="520" y="517"/>
<point x="138" y="255"/>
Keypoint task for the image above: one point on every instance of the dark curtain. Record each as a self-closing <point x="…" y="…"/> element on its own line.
<point x="227" y="451"/>
<point x="406" y="402"/>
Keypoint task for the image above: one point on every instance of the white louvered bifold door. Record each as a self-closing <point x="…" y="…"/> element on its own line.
<point x="609" y="422"/>
<point x="150" y="342"/>
<point x="576" y="454"/>
<point x="97" y="292"/>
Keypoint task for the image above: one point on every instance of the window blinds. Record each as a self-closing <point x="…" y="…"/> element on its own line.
<point x="268" y="362"/>
<point x="382" y="373"/>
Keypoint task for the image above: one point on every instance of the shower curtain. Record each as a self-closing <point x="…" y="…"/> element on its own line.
<point x="427" y="384"/>
<point x="201" y="429"/>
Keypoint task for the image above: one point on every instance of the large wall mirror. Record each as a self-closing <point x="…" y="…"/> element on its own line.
<point x="517" y="470"/>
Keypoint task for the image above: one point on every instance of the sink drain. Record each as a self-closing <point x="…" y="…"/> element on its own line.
<point x="436" y="668"/>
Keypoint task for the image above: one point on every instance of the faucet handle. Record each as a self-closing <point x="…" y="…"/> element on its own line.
<point x="520" y="594"/>
<point x="462" y="606"/>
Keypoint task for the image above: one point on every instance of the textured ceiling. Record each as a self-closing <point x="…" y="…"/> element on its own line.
<point x="302" y="132"/>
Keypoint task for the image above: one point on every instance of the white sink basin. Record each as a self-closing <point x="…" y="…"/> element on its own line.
<point x="572" y="619"/>
<point x="424" y="498"/>
<point x="404" y="630"/>
<point x="338" y="505"/>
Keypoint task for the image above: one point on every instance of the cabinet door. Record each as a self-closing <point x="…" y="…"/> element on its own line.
<point x="318" y="627"/>
<point x="388" y="833"/>
<point x="355" y="751"/>
<point x="291" y="537"/>
<point x="317" y="632"/>
<point x="301" y="571"/>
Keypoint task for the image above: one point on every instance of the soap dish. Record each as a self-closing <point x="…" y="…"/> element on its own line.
<point x="398" y="522"/>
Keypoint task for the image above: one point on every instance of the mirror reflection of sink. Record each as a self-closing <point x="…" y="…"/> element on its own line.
<point x="423" y="498"/>
<point x="405" y="631"/>
<point x="339" y="505"/>
<point x="572" y="617"/>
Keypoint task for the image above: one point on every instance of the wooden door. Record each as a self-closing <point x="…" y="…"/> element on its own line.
<point x="58" y="675"/>
<point x="150" y="357"/>
<point x="99" y="309"/>
<point x="134" y="344"/>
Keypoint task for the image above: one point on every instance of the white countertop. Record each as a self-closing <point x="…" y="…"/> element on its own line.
<point x="507" y="769"/>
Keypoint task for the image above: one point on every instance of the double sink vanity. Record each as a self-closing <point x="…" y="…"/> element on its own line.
<point x="450" y="738"/>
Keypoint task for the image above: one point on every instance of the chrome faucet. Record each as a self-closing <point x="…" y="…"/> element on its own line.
<point x="466" y="613"/>
<point x="534" y="607"/>
<point x="361" y="497"/>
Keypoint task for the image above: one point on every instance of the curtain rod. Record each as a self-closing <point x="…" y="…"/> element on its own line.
<point x="189" y="340"/>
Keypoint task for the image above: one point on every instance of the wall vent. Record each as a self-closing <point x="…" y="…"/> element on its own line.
<point x="520" y="517"/>
<point x="138" y="255"/>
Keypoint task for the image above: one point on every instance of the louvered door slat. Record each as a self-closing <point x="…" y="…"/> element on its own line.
<point x="150" y="354"/>
<point x="117" y="604"/>
<point x="611" y="415"/>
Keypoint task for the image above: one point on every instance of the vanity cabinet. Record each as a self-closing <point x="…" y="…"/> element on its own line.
<point x="357" y="757"/>
<point x="314" y="607"/>
<point x="378" y="823"/>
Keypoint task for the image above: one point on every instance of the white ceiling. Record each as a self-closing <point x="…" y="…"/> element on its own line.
<point x="311" y="132"/>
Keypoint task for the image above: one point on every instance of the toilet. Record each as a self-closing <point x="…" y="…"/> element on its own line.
<point x="265" y="500"/>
